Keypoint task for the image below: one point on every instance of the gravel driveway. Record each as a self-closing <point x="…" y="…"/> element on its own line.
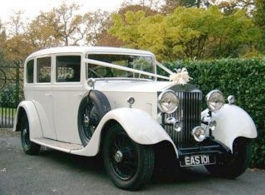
<point x="59" y="173"/>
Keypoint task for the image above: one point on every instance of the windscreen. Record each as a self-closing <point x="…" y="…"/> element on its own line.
<point x="143" y="63"/>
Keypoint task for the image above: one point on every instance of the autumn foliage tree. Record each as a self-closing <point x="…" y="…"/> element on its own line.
<point x="2" y="41"/>
<point x="172" y="29"/>
<point x="188" y="33"/>
<point x="64" y="24"/>
<point x="15" y="45"/>
<point x="61" y="26"/>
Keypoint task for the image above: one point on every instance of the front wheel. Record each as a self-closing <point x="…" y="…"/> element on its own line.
<point x="236" y="163"/>
<point x="129" y="165"/>
<point x="29" y="147"/>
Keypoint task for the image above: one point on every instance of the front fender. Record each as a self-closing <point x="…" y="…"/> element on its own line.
<point x="139" y="126"/>
<point x="33" y="118"/>
<point x="232" y="122"/>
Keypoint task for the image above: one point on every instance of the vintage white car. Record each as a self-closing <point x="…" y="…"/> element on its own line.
<point x="110" y="102"/>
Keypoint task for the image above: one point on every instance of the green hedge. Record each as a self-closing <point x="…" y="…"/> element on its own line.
<point x="244" y="78"/>
<point x="8" y="97"/>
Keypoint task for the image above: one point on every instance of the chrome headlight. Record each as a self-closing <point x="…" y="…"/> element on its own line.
<point x="198" y="133"/>
<point x="215" y="100"/>
<point x="168" y="101"/>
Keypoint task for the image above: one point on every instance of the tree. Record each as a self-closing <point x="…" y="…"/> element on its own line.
<point x="2" y="40"/>
<point x="135" y="8"/>
<point x="98" y="26"/>
<point x="16" y="26"/>
<point x="259" y="16"/>
<point x="68" y="25"/>
<point x="53" y="28"/>
<point x="171" y="5"/>
<point x="100" y="37"/>
<point x="188" y="33"/>
<point x="61" y="26"/>
<point x="125" y="27"/>
<point x="144" y="4"/>
<point x="42" y="32"/>
<point x="213" y="34"/>
<point x="128" y="17"/>
<point x="238" y="37"/>
<point x="15" y="45"/>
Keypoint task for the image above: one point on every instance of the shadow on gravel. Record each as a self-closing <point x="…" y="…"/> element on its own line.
<point x="72" y="161"/>
<point x="185" y="175"/>
<point x="95" y="166"/>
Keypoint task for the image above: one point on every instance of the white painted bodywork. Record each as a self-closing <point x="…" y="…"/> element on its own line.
<point x="66" y="100"/>
<point x="232" y="122"/>
<point x="139" y="125"/>
<point x="144" y="93"/>
<point x="52" y="108"/>
<point x="33" y="118"/>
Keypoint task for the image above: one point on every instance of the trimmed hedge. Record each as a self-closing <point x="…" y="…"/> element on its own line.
<point x="244" y="78"/>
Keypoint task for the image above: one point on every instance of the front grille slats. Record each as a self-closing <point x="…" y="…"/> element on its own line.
<point x="189" y="114"/>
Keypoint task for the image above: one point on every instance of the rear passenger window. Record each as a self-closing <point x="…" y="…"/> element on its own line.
<point x="68" y="68"/>
<point x="44" y="70"/>
<point x="30" y="71"/>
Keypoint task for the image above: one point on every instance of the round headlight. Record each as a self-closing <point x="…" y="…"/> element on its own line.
<point x="215" y="100"/>
<point x="168" y="101"/>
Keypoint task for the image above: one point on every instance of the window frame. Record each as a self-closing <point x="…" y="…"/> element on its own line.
<point x="47" y="66"/>
<point x="68" y="65"/>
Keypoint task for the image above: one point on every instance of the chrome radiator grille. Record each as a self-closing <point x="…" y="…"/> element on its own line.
<point x="189" y="114"/>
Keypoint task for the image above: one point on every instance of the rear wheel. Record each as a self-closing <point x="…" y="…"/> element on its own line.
<point x="236" y="163"/>
<point x="28" y="146"/>
<point x="129" y="165"/>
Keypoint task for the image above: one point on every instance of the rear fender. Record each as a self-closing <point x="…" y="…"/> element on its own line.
<point x="232" y="122"/>
<point x="139" y="126"/>
<point x="28" y="108"/>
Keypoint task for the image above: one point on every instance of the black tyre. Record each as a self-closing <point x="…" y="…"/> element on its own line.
<point x="129" y="165"/>
<point x="91" y="111"/>
<point x="236" y="163"/>
<point x="29" y="147"/>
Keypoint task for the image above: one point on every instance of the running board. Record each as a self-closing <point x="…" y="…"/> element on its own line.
<point x="57" y="145"/>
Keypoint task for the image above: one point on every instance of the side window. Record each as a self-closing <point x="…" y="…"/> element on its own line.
<point x="68" y="68"/>
<point x="30" y="71"/>
<point x="44" y="70"/>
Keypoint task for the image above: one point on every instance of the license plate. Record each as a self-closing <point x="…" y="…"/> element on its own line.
<point x="196" y="160"/>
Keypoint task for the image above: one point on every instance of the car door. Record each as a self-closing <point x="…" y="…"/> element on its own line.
<point x="67" y="95"/>
<point x="43" y="95"/>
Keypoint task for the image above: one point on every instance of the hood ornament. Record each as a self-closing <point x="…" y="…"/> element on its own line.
<point x="181" y="77"/>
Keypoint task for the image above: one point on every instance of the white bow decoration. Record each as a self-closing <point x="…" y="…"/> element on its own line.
<point x="181" y="77"/>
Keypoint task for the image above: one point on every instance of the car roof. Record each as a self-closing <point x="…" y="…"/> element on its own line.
<point x="90" y="49"/>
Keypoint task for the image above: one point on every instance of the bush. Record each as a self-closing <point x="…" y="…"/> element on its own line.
<point x="244" y="78"/>
<point x="8" y="97"/>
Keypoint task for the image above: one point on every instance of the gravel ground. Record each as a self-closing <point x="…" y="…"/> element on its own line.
<point x="59" y="173"/>
<point x="8" y="132"/>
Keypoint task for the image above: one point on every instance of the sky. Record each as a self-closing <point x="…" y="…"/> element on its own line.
<point x="32" y="8"/>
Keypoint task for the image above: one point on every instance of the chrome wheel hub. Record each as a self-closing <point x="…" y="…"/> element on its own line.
<point x="86" y="120"/>
<point x="118" y="156"/>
